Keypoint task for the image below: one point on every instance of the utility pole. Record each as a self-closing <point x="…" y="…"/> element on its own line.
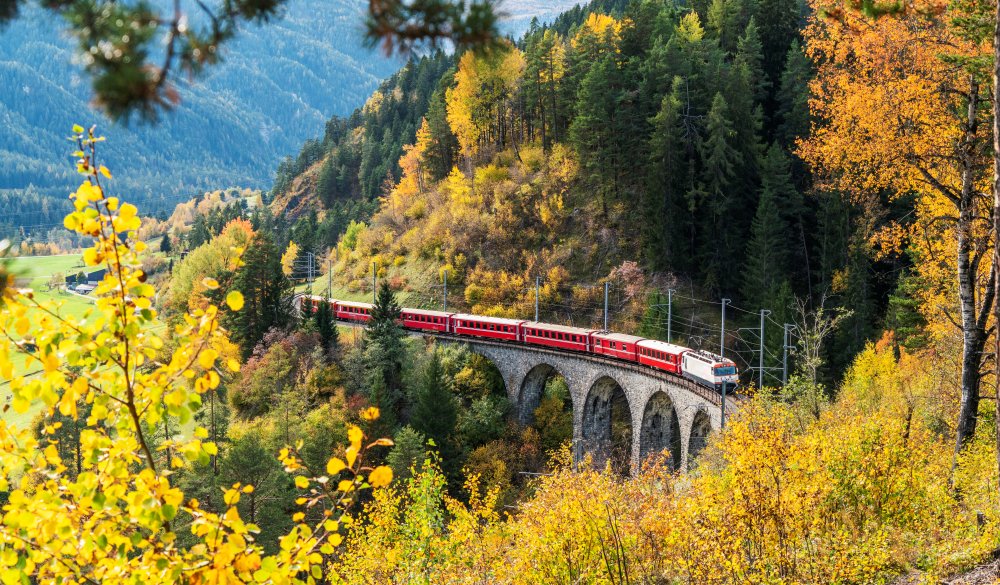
<point x="784" y="354"/>
<point x="538" y="280"/>
<point x="444" y="279"/>
<point x="763" y="313"/>
<point x="722" y="418"/>
<point x="670" y="310"/>
<point x="606" y="306"/>
<point x="722" y="338"/>
<point x="374" y="290"/>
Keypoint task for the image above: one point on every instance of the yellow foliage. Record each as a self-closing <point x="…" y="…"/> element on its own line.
<point x="288" y="258"/>
<point x="113" y="521"/>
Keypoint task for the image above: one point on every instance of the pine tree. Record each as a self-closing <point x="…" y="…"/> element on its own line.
<point x="725" y="20"/>
<point x="326" y="183"/>
<point x="248" y="462"/>
<point x="435" y="412"/>
<point x="661" y="206"/>
<point x="766" y="253"/>
<point x="779" y="25"/>
<point x="593" y="130"/>
<point x="793" y="97"/>
<point x="654" y="320"/>
<point x="720" y="162"/>
<point x="749" y="61"/>
<point x="384" y="354"/>
<point x="266" y="292"/>
<point x="327" y="329"/>
<point x="165" y="245"/>
<point x="776" y="177"/>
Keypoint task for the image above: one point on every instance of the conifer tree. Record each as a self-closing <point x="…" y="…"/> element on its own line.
<point x="793" y="96"/>
<point x="778" y="21"/>
<point x="165" y="246"/>
<point x="662" y="209"/>
<point x="266" y="292"/>
<point x="326" y="183"/>
<point x="725" y="21"/>
<point x="593" y="130"/>
<point x="327" y="329"/>
<point x="384" y="354"/>
<point x="776" y="177"/>
<point x="749" y="61"/>
<point x="766" y="253"/>
<point x="720" y="162"/>
<point x="435" y="412"/>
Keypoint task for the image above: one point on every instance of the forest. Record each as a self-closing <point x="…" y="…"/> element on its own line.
<point x="825" y="169"/>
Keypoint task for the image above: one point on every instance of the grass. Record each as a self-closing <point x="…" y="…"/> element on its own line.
<point x="32" y="268"/>
<point x="34" y="272"/>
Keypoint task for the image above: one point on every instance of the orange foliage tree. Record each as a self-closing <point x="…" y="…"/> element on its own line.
<point x="900" y="109"/>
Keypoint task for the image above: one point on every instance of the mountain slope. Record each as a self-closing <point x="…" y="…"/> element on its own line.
<point x="277" y="85"/>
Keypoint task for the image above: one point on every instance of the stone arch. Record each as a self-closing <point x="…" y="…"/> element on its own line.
<point x="532" y="388"/>
<point x="701" y="426"/>
<point x="607" y="425"/>
<point x="661" y="430"/>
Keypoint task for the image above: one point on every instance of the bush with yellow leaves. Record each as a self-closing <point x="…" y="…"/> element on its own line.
<point x="113" y="521"/>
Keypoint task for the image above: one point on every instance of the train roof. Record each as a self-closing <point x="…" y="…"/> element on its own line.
<point x="356" y="304"/>
<point x="560" y="328"/>
<point x="662" y="346"/>
<point x="709" y="356"/>
<point x="427" y="312"/>
<point x="482" y="319"/>
<point x="619" y="337"/>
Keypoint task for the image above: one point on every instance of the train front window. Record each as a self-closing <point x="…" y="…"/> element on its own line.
<point x="725" y="370"/>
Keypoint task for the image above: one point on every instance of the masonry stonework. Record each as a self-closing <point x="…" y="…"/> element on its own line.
<point x="665" y="412"/>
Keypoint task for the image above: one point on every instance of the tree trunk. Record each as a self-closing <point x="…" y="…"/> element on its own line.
<point x="973" y="335"/>
<point x="996" y="215"/>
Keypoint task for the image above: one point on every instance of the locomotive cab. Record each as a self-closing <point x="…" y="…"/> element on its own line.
<point x="709" y="369"/>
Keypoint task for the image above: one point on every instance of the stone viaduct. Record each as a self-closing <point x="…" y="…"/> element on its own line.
<point x="619" y="406"/>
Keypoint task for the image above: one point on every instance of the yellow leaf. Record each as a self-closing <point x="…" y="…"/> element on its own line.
<point x="335" y="466"/>
<point x="206" y="359"/>
<point x="235" y="300"/>
<point x="301" y="482"/>
<point x="381" y="476"/>
<point x="104" y="171"/>
<point x="210" y="283"/>
<point x="354" y="435"/>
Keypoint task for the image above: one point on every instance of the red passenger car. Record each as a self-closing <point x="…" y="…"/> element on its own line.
<point x="421" y="320"/>
<point x="309" y="304"/>
<point x="662" y="355"/>
<point x="615" y="345"/>
<point x="351" y="311"/>
<point x="558" y="336"/>
<point x="489" y="327"/>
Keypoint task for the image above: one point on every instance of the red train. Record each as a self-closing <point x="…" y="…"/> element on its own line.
<point x="702" y="367"/>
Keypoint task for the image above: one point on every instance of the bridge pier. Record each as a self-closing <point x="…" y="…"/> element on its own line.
<point x="665" y="412"/>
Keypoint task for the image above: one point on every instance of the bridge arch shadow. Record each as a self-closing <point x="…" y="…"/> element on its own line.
<point x="661" y="430"/>
<point x="532" y="390"/>
<point x="607" y="425"/>
<point x="701" y="427"/>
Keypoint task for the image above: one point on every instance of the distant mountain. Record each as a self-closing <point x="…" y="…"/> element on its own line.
<point x="277" y="86"/>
